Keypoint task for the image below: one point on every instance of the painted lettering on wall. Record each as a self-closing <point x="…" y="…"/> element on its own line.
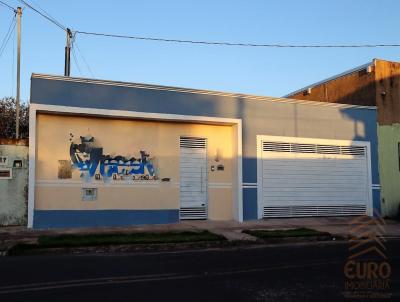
<point x="3" y="160"/>
<point x="87" y="156"/>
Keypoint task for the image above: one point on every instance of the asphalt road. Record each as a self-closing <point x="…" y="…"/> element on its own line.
<point x="270" y="273"/>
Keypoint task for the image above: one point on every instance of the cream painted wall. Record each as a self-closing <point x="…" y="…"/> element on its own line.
<point x="127" y="138"/>
<point x="159" y="196"/>
<point x="220" y="207"/>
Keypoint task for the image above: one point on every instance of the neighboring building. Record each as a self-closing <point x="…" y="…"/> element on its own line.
<point x="13" y="181"/>
<point x="106" y="153"/>
<point x="373" y="84"/>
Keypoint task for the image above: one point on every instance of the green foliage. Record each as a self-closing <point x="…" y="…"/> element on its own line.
<point x="132" y="238"/>
<point x="82" y="240"/>
<point x="8" y="116"/>
<point x="299" y="232"/>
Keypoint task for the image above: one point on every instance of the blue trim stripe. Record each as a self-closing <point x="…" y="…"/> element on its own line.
<point x="44" y="219"/>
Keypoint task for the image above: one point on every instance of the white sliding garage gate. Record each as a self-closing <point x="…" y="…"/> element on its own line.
<point x="300" y="177"/>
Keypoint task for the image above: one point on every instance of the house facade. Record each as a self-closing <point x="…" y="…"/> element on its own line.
<point x="13" y="181"/>
<point x="107" y="153"/>
<point x="373" y="84"/>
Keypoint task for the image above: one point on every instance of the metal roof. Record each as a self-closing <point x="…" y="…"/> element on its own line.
<point x="356" y="69"/>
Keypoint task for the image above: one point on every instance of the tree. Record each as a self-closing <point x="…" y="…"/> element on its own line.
<point x="7" y="118"/>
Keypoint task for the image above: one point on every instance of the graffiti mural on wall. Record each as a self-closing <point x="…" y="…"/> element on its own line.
<point x="88" y="157"/>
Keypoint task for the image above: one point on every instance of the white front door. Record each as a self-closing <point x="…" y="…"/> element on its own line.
<point x="193" y="178"/>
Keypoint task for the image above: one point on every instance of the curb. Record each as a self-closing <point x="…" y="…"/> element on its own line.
<point x="175" y="247"/>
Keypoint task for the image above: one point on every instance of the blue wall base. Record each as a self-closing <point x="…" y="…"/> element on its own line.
<point x="250" y="204"/>
<point x="46" y="219"/>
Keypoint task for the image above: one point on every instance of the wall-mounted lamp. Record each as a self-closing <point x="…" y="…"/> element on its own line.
<point x="218" y="155"/>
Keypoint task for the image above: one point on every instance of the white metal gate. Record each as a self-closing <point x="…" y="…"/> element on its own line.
<point x="304" y="178"/>
<point x="193" y="178"/>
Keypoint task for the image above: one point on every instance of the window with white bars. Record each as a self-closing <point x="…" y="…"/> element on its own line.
<point x="192" y="142"/>
<point x="313" y="148"/>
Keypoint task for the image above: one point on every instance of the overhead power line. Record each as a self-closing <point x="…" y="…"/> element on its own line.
<point x="76" y="60"/>
<point x="8" y="6"/>
<point x="236" y="44"/>
<point x="44" y="14"/>
<point x="84" y="60"/>
<point x="7" y="37"/>
<point x="38" y="7"/>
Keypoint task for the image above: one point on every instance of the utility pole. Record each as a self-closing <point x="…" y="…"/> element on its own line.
<point x="17" y="109"/>
<point x="67" y="66"/>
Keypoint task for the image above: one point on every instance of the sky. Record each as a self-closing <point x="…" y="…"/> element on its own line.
<point x="259" y="71"/>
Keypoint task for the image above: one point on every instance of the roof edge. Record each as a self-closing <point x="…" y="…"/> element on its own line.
<point x="193" y="91"/>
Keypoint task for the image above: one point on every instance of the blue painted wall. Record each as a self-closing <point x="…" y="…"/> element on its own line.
<point x="44" y="219"/>
<point x="249" y="203"/>
<point x="260" y="117"/>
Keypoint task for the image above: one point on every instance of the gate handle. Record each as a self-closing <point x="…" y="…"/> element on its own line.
<point x="201" y="179"/>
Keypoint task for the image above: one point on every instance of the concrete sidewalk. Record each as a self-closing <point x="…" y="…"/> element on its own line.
<point x="340" y="226"/>
<point x="232" y="230"/>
